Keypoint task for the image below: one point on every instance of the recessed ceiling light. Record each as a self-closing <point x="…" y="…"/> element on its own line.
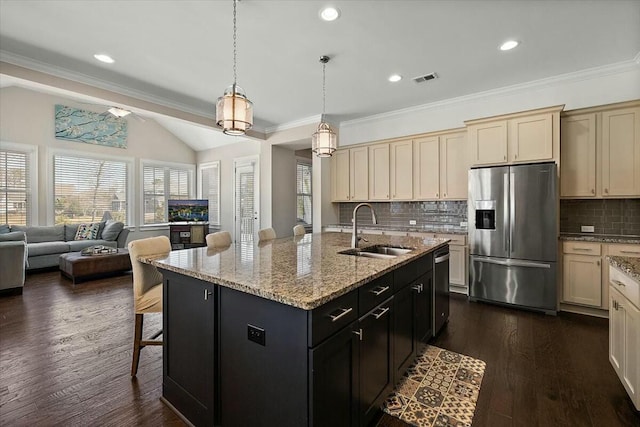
<point x="395" y="78"/>
<point x="329" y="13"/>
<point x="104" y="58"/>
<point x="509" y="44"/>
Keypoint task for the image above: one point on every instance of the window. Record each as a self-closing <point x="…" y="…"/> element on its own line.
<point x="85" y="188"/>
<point x="303" y="202"/>
<point x="161" y="183"/>
<point x="16" y="198"/>
<point x="210" y="189"/>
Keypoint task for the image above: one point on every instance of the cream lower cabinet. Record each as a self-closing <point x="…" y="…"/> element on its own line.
<point x="458" y="266"/>
<point x="581" y="273"/>
<point x="624" y="331"/>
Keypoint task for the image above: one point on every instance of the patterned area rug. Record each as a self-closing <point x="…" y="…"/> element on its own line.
<point x="440" y="389"/>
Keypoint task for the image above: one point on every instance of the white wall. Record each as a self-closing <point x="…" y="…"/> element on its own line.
<point x="27" y="117"/>
<point x="605" y="85"/>
<point x="283" y="190"/>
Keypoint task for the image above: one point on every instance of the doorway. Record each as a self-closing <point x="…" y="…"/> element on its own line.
<point x="246" y="200"/>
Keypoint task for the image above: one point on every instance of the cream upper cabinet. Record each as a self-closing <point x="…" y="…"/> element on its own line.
<point x="401" y="174"/>
<point x="488" y="143"/>
<point x="379" y="172"/>
<point x="358" y="174"/>
<point x="426" y="177"/>
<point x="578" y="156"/>
<point x="454" y="176"/>
<point x="340" y="176"/>
<point x="441" y="167"/>
<point x="621" y="152"/>
<point x="529" y="136"/>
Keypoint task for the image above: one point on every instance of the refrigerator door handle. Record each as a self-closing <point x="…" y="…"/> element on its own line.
<point x="512" y="214"/>
<point x="506" y="224"/>
<point x="512" y="262"/>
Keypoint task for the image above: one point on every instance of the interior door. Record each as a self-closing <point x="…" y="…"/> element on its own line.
<point x="246" y="202"/>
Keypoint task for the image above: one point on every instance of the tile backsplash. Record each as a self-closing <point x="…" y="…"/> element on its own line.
<point x="607" y="216"/>
<point x="437" y="213"/>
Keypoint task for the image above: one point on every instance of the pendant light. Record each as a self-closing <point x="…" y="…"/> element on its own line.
<point x="324" y="140"/>
<point x="234" y="111"/>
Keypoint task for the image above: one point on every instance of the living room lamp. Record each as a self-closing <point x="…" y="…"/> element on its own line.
<point x="234" y="111"/>
<point x="324" y="140"/>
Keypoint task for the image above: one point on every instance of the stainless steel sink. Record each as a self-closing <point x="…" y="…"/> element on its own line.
<point x="377" y="251"/>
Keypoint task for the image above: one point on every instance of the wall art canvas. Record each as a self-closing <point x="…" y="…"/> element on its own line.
<point x="74" y="124"/>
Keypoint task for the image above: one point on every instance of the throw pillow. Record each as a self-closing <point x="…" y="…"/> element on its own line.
<point x="4" y="229"/>
<point x="111" y="230"/>
<point x="88" y="231"/>
<point x="14" y="236"/>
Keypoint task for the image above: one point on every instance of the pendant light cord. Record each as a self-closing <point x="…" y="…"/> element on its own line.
<point x="324" y="87"/>
<point x="235" y="79"/>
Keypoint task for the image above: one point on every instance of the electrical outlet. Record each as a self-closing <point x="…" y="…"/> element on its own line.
<point x="412" y="222"/>
<point x="463" y="223"/>
<point x="256" y="334"/>
<point x="587" y="229"/>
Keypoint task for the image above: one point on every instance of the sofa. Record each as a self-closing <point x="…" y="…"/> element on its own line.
<point x="44" y="245"/>
<point x="13" y="256"/>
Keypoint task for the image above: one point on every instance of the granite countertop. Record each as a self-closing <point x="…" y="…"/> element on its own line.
<point x="600" y="238"/>
<point x="411" y="228"/>
<point x="304" y="271"/>
<point x="630" y="266"/>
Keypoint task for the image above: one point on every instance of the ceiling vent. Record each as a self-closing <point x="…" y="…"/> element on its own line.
<point x="425" y="78"/>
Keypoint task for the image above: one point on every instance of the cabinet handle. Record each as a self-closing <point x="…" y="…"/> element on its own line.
<point x="207" y="293"/>
<point x="382" y="313"/>
<point x="515" y="156"/>
<point x="593" y="191"/>
<point x="436" y="194"/>
<point x="343" y="312"/>
<point x="379" y="290"/>
<point x="615" y="305"/>
<point x="598" y="263"/>
<point x="582" y="249"/>
<point x="619" y="283"/>
<point x="417" y="288"/>
<point x="445" y="195"/>
<point x="358" y="333"/>
<point x="505" y="157"/>
<point x="630" y="252"/>
<point x="606" y="190"/>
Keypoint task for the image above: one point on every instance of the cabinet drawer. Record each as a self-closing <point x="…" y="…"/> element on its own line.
<point x="581" y="248"/>
<point x="627" y="286"/>
<point x="375" y="292"/>
<point x="331" y="317"/>
<point x="624" y="250"/>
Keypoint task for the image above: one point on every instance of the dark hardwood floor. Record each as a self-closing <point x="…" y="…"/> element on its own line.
<point x="65" y="355"/>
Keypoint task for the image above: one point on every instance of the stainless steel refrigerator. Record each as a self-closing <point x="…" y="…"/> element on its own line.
<point x="513" y="232"/>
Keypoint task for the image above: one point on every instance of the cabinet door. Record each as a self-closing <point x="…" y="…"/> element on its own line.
<point x="578" y="156"/>
<point x="379" y="172"/>
<point x="334" y="380"/>
<point x="426" y="156"/>
<point x="581" y="280"/>
<point x="454" y="178"/>
<point x="531" y="138"/>
<point x="358" y="174"/>
<point x="621" y="152"/>
<point x="376" y="375"/>
<point x="422" y="289"/>
<point x="404" y="322"/>
<point x="189" y="358"/>
<point x="457" y="265"/>
<point x="340" y="176"/>
<point x="624" y="343"/>
<point x="401" y="170"/>
<point x="488" y="142"/>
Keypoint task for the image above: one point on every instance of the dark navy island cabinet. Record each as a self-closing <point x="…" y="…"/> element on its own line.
<point x="236" y="359"/>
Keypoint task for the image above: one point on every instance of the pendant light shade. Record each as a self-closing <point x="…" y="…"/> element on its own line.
<point x="324" y="140"/>
<point x="234" y="111"/>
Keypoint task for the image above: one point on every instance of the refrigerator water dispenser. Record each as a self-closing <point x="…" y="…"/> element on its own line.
<point x="485" y="215"/>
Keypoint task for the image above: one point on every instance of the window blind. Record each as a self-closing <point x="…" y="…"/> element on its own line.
<point x="304" y="196"/>
<point x="159" y="184"/>
<point x="210" y="180"/>
<point x="15" y="200"/>
<point x="84" y="188"/>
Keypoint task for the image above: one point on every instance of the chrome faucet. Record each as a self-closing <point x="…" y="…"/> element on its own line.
<point x="354" y="220"/>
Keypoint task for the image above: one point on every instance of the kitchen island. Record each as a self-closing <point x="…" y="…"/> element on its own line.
<point x="291" y="332"/>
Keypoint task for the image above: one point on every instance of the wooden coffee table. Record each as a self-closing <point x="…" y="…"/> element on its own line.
<point x="80" y="267"/>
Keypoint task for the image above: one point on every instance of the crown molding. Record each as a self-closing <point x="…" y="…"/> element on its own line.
<point x="576" y="76"/>
<point x="294" y="124"/>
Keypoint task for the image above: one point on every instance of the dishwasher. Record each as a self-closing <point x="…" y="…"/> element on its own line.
<point x="440" y="289"/>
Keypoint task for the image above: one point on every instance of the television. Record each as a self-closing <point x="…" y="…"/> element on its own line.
<point x="191" y="210"/>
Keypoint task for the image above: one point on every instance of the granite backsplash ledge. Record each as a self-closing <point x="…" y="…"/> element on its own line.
<point x="607" y="216"/>
<point x="436" y="214"/>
